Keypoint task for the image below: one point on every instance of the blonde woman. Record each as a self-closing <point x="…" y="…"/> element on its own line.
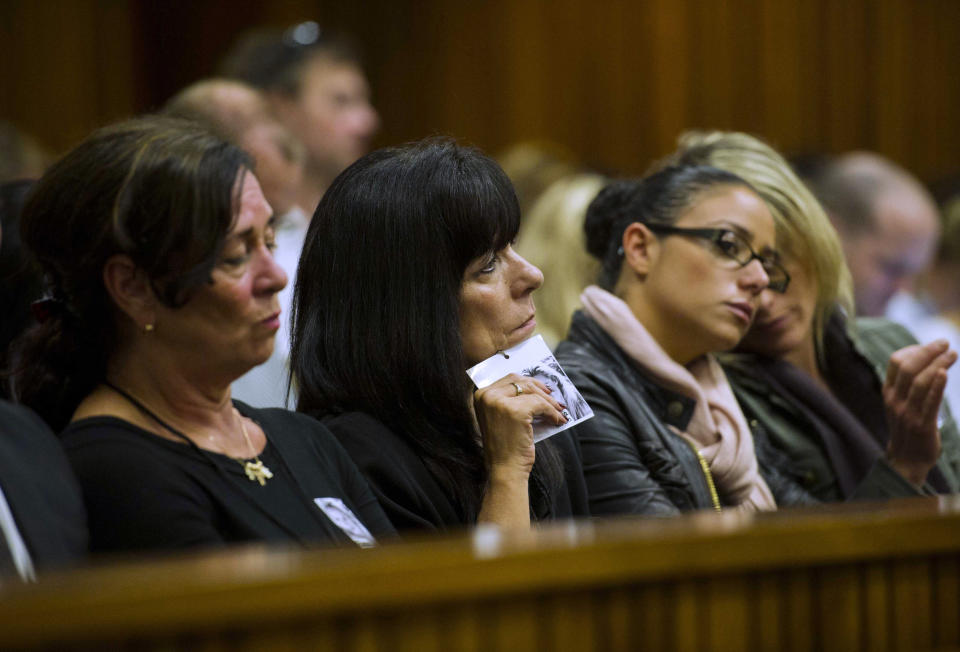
<point x="551" y="238"/>
<point x="854" y="404"/>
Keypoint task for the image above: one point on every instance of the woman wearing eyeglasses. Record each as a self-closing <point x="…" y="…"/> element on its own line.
<point x="856" y="405"/>
<point x="686" y="254"/>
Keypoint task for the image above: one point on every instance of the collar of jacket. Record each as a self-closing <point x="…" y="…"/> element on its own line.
<point x="671" y="407"/>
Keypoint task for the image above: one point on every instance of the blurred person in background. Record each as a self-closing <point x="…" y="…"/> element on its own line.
<point x="533" y="166"/>
<point x="316" y="87"/>
<point x="551" y="238"/>
<point x="21" y="157"/>
<point x="241" y="114"/>
<point x="887" y="223"/>
<point x="935" y="303"/>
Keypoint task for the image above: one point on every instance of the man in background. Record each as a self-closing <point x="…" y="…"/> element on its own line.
<point x="241" y="114"/>
<point x="887" y="222"/>
<point x="316" y="87"/>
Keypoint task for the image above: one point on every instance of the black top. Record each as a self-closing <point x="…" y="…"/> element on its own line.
<point x="143" y="491"/>
<point x="40" y="489"/>
<point x="414" y="499"/>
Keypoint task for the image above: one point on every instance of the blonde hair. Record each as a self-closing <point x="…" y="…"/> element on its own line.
<point x="551" y="237"/>
<point x="533" y="165"/>
<point x="803" y="228"/>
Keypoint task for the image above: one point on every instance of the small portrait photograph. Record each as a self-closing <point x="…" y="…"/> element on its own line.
<point x="534" y="359"/>
<point x="344" y="518"/>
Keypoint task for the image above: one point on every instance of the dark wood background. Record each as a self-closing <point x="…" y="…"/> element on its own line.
<point x="615" y="81"/>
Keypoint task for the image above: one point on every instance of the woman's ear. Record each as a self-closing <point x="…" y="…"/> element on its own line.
<point x="639" y="246"/>
<point x="131" y="291"/>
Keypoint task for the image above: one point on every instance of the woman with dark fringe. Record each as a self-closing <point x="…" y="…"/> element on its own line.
<point x="407" y="279"/>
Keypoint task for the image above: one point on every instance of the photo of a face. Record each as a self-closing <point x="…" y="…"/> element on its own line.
<point x="344" y="518"/>
<point x="533" y="358"/>
<point x="549" y="373"/>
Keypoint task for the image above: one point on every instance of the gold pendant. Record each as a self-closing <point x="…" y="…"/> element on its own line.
<point x="257" y="472"/>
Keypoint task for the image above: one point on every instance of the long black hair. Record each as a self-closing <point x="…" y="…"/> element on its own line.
<point x="659" y="198"/>
<point x="160" y="190"/>
<point x="376" y="305"/>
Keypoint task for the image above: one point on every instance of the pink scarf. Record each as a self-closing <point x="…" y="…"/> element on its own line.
<point x="718" y="428"/>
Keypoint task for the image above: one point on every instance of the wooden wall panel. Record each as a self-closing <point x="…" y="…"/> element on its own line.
<point x="64" y="67"/>
<point x="780" y="98"/>
<point x="946" y="603"/>
<point x="615" y="81"/>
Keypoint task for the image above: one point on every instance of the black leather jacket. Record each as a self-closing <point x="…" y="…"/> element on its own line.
<point x="633" y="463"/>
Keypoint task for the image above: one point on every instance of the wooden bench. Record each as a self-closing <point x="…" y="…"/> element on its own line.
<point x="846" y="577"/>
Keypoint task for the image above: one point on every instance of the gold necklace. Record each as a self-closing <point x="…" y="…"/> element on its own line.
<point x="256" y="470"/>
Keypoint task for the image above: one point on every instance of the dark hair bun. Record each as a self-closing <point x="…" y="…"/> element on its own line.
<point x="656" y="199"/>
<point x="606" y="211"/>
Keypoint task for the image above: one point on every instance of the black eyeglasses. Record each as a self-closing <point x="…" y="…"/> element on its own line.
<point x="733" y="246"/>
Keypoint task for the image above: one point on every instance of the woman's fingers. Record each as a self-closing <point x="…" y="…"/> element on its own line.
<point x="517" y="386"/>
<point x="506" y="411"/>
<point x="526" y="383"/>
<point x="915" y="397"/>
<point x="907" y="363"/>
<point x="923" y="378"/>
<point x="929" y="409"/>
<point x="912" y="393"/>
<point x="926" y="392"/>
<point x="511" y="405"/>
<point x="539" y="384"/>
<point x="535" y="405"/>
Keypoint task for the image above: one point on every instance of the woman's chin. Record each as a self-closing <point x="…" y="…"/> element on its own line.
<point x="522" y="333"/>
<point x="261" y="354"/>
<point x="728" y="339"/>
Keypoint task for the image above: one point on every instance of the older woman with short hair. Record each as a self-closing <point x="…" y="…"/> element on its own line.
<point x="156" y="243"/>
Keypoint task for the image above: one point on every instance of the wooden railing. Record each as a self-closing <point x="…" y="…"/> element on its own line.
<point x="867" y="577"/>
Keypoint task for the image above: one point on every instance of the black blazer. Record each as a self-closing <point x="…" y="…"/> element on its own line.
<point x="40" y="488"/>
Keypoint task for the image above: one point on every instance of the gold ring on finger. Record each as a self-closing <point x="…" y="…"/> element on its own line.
<point x="518" y="388"/>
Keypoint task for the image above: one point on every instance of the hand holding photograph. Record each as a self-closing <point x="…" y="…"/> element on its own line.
<point x="533" y="358"/>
